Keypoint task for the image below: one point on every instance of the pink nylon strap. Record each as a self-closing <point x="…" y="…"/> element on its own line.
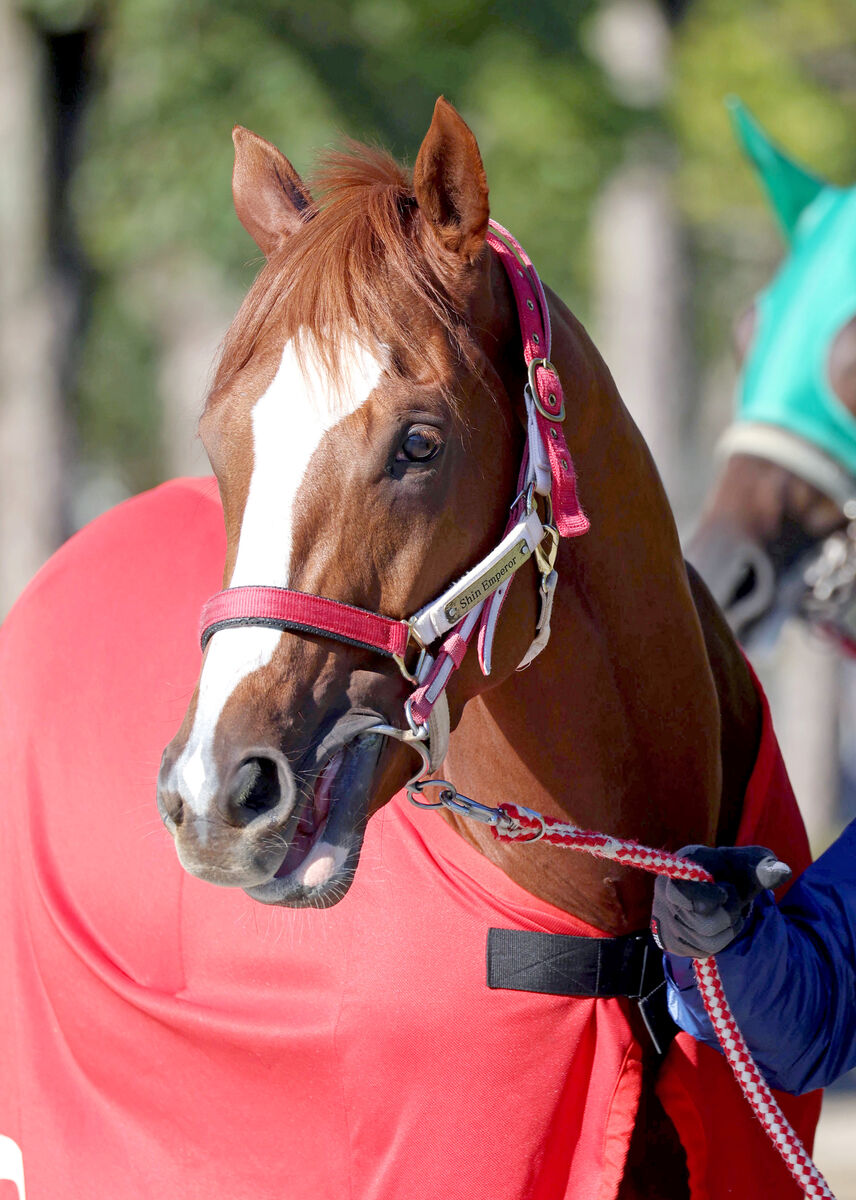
<point x="282" y="608"/>
<point x="453" y="648"/>
<point x="532" y="311"/>
<point x="456" y="647"/>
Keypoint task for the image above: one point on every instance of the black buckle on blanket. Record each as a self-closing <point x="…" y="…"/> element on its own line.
<point x="557" y="964"/>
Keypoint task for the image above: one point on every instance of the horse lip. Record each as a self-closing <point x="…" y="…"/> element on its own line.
<point x="343" y="828"/>
<point x="341" y="732"/>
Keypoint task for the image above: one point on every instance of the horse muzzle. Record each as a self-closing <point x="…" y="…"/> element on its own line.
<point x="325" y="833"/>
<point x="287" y="836"/>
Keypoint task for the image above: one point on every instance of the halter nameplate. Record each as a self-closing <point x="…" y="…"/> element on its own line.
<point x="516" y="548"/>
<point x="461" y="605"/>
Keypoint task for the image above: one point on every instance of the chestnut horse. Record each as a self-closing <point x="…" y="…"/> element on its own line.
<point x="773" y="539"/>
<point x="366" y="427"/>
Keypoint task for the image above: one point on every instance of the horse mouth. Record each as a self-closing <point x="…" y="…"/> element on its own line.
<point x="325" y="833"/>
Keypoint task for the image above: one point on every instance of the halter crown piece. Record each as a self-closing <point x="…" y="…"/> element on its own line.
<point x="443" y="628"/>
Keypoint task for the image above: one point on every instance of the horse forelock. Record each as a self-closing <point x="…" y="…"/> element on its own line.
<point x="357" y="270"/>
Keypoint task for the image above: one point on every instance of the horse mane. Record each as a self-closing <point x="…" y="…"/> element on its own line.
<point x="355" y="269"/>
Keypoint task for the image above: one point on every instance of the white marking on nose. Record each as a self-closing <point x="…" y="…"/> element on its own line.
<point x="289" y="422"/>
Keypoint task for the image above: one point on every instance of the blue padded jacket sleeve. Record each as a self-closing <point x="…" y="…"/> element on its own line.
<point x="790" y="977"/>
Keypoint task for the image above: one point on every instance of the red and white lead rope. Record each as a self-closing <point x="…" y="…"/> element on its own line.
<point x="523" y="825"/>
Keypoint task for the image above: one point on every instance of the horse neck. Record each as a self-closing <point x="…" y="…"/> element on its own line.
<point x="616" y="725"/>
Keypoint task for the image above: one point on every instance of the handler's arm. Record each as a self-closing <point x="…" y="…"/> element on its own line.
<point x="790" y="977"/>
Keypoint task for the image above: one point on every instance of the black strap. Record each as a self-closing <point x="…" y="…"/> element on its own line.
<point x="525" y="960"/>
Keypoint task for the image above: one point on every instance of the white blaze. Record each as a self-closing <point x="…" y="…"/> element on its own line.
<point x="289" y="422"/>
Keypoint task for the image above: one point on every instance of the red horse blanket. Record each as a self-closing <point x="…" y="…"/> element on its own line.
<point x="162" y="1037"/>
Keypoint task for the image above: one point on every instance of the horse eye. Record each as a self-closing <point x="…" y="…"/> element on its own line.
<point x="420" y="445"/>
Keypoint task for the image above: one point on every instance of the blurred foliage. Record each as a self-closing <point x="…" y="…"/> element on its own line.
<point x="118" y="419"/>
<point x="793" y="62"/>
<point x="153" y="182"/>
<point x="154" y="178"/>
<point x="177" y="78"/>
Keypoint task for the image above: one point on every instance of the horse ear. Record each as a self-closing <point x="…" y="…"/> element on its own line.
<point x="450" y="183"/>
<point x="271" y="199"/>
<point x="789" y="186"/>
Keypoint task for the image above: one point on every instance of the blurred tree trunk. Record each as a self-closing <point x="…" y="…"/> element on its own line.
<point x="33" y="316"/>
<point x="192" y="309"/>
<point x="640" y="297"/>
<point x="640" y="271"/>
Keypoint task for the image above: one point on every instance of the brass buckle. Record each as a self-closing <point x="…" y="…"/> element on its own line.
<point x="546" y="559"/>
<point x="536" y="399"/>
<point x="399" y="659"/>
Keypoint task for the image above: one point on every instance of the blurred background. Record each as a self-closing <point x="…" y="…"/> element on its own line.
<point x="609" y="154"/>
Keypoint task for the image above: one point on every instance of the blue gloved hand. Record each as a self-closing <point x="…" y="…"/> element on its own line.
<point x="700" y="919"/>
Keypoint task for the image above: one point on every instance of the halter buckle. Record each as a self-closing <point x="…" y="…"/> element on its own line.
<point x="536" y="399"/>
<point x="399" y="659"/>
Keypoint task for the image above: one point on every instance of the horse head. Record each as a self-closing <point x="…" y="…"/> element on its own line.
<point x="366" y="448"/>
<point x="789" y="476"/>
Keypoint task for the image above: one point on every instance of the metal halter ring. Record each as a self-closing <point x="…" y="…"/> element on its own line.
<point x="399" y="659"/>
<point x="536" y="399"/>
<point x="411" y="739"/>
<point x="455" y="802"/>
<point x="417" y="787"/>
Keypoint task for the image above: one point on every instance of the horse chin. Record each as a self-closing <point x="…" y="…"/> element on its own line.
<point x="325" y="836"/>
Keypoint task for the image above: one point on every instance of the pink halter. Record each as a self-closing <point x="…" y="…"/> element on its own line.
<point x="476" y="600"/>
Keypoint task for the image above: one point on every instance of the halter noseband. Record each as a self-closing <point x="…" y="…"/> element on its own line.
<point x="475" y="601"/>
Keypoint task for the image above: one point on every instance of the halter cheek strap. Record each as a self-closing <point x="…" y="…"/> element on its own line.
<point x="475" y="601"/>
<point x="544" y="396"/>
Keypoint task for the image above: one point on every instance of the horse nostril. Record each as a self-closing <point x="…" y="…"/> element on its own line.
<point x="254" y="790"/>
<point x="171" y="807"/>
<point x="170" y="803"/>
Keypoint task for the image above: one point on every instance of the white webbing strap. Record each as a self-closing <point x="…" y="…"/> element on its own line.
<point x="493" y="607"/>
<point x="438" y="731"/>
<point x="537" y="473"/>
<point x="516" y="548"/>
<point x="538" y="469"/>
